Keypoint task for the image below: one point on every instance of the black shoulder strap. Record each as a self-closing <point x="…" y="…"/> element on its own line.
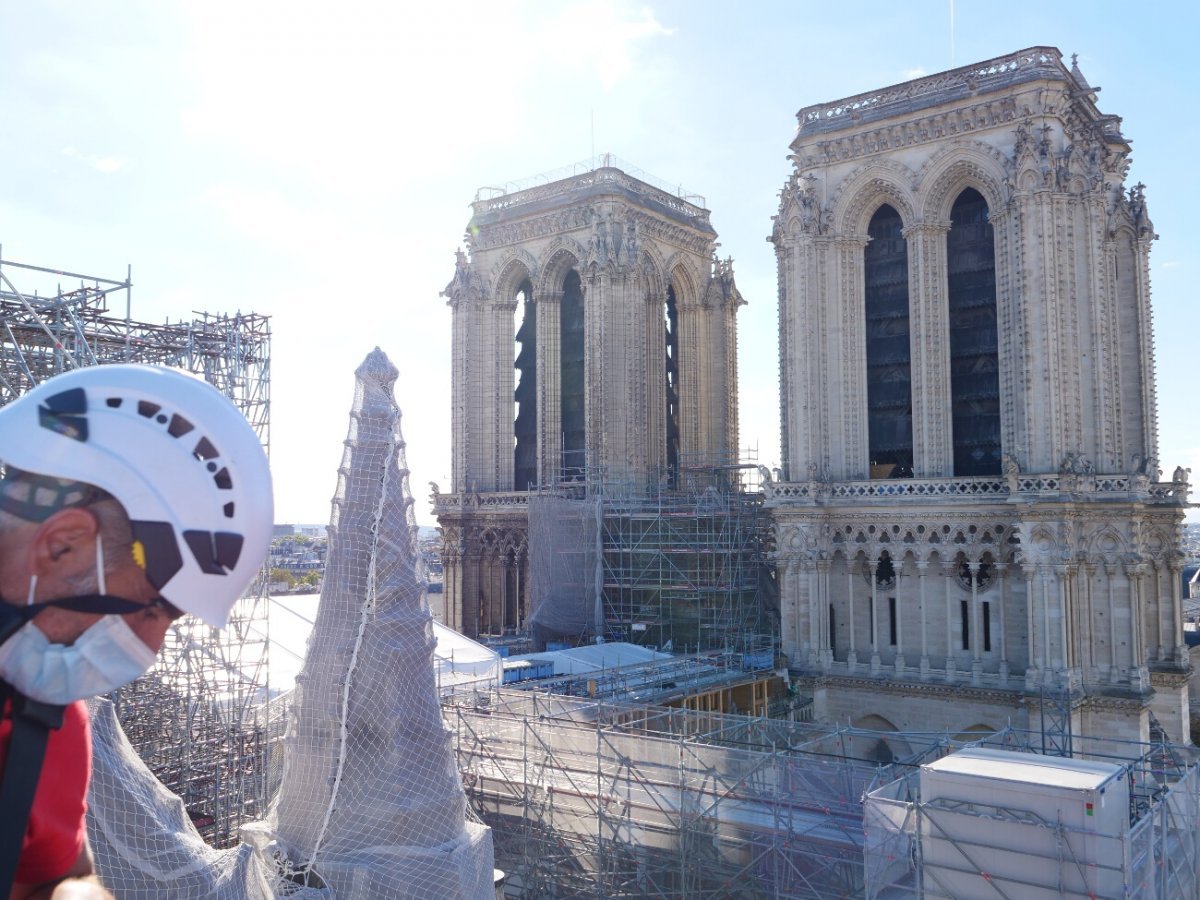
<point x="32" y="723"/>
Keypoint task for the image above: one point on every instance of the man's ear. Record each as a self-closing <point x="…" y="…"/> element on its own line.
<point x="65" y="544"/>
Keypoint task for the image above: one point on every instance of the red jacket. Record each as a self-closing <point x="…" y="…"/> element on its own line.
<point x="56" y="831"/>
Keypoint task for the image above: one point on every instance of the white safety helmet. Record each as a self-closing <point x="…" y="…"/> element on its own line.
<point x="176" y="453"/>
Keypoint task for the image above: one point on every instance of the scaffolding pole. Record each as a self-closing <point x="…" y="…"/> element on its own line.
<point x="682" y="560"/>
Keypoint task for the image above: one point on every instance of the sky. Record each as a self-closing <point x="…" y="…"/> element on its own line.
<point x="315" y="162"/>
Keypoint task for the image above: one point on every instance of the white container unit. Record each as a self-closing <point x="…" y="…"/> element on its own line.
<point x="996" y="823"/>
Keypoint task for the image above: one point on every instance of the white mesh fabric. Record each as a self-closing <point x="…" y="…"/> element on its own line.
<point x="371" y="802"/>
<point x="562" y="566"/>
<point x="143" y="841"/>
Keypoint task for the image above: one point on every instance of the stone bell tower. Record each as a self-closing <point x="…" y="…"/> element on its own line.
<point x="594" y="341"/>
<point x="972" y="526"/>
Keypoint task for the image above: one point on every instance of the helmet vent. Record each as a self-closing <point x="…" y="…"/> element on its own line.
<point x="114" y="402"/>
<point x="223" y="481"/>
<point x="205" y="449"/>
<point x="65" y="414"/>
<point x="228" y="507"/>
<point x="161" y="552"/>
<point x="179" y="426"/>
<point x="147" y="409"/>
<point x="215" y="553"/>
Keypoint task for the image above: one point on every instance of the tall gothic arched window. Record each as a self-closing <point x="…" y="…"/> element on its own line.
<point x="571" y="366"/>
<point x="974" y="361"/>
<point x="671" y="334"/>
<point x="889" y="365"/>
<point x="525" y="394"/>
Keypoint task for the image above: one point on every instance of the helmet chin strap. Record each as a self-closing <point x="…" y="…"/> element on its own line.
<point x="99" y="603"/>
<point x="100" y="564"/>
<point x="101" y="580"/>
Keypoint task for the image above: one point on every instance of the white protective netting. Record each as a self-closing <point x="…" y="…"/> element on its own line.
<point x="370" y="803"/>
<point x="564" y="571"/>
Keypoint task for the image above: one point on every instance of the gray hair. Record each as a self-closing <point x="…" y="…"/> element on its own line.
<point x="28" y="498"/>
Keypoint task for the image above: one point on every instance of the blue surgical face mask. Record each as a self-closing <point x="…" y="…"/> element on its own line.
<point x="107" y="655"/>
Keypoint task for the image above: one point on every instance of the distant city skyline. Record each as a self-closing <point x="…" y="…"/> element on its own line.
<point x="317" y="164"/>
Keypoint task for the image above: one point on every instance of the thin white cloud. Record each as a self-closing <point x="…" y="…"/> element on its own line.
<point x="371" y="96"/>
<point x="918" y="72"/>
<point x="601" y="37"/>
<point x="106" y="165"/>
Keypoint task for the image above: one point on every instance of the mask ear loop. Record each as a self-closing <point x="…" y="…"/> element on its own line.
<point x="32" y="589"/>
<point x="100" y="565"/>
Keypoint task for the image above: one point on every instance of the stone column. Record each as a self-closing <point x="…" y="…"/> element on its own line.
<point x="1002" y="616"/>
<point x="899" y="662"/>
<point x="791" y="592"/>
<point x="922" y="567"/>
<point x="1139" y="674"/>
<point x="503" y="405"/>
<point x="948" y="570"/>
<point x="498" y="582"/>
<point x="522" y="581"/>
<point x="814" y="619"/>
<point x="1047" y="630"/>
<point x="1114" y="662"/>
<point x="1068" y="626"/>
<point x="825" y="652"/>
<point x="929" y="323"/>
<point x="452" y="588"/>
<point x="548" y="305"/>
<point x="874" y="614"/>
<point x="976" y="631"/>
<point x="470" y="592"/>
<point x="852" y="655"/>
<point x="1174" y="572"/>
<point x="597" y="377"/>
<point x="1161" y="626"/>
<point x="655" y="438"/>
<point x="839" y="419"/>
<point x="1087" y="600"/>
<point x="1034" y="649"/>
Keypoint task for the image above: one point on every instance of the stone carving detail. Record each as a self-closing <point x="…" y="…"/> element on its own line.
<point x="1076" y="464"/>
<point x="917" y="131"/>
<point x="722" y="289"/>
<point x="464" y="287"/>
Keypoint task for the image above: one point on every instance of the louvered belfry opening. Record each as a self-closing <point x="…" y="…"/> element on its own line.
<point x="974" y="362"/>
<point x="525" y="394"/>
<point x="572" y="386"/>
<point x="889" y="368"/>
<point x="671" y="332"/>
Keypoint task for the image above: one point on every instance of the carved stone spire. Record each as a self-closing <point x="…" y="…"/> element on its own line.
<point x="371" y="803"/>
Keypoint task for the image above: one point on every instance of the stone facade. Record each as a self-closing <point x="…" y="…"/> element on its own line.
<point x="626" y="326"/>
<point x="929" y="577"/>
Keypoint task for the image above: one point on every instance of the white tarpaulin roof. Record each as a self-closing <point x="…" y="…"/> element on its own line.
<point x="457" y="659"/>
<point x="593" y="657"/>
<point x="460" y="660"/>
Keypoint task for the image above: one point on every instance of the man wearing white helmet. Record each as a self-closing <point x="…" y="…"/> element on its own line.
<point x="129" y="496"/>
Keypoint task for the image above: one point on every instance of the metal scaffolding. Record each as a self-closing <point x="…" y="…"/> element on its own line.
<point x="598" y="798"/>
<point x="1156" y="854"/>
<point x="678" y="563"/>
<point x="603" y="799"/>
<point x="194" y="718"/>
<point x="686" y="568"/>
